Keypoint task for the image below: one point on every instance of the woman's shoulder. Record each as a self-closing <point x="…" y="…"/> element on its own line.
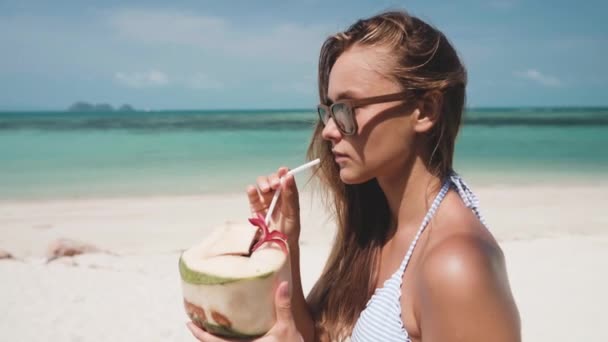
<point x="463" y="281"/>
<point x="463" y="261"/>
<point x="462" y="252"/>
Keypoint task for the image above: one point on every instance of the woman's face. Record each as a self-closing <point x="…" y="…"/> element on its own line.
<point x="383" y="144"/>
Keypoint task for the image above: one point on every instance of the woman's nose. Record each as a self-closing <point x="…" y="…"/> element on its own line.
<point x="331" y="131"/>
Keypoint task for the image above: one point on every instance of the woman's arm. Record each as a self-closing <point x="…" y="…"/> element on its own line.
<point x="465" y="294"/>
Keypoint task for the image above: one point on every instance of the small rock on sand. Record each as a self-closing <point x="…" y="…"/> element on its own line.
<point x="5" y="255"/>
<point x="68" y="248"/>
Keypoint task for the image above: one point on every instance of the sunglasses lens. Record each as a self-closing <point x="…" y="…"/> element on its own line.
<point x="323" y="114"/>
<point x="344" y="118"/>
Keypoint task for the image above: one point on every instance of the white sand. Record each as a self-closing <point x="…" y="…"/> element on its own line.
<point x="555" y="240"/>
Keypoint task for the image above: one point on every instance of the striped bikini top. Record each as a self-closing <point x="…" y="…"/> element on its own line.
<point x="381" y="319"/>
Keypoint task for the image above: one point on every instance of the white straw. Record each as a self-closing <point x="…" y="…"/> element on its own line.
<point x="273" y="203"/>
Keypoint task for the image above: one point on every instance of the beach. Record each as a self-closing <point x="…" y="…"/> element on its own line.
<point x="555" y="240"/>
<point x="142" y="187"/>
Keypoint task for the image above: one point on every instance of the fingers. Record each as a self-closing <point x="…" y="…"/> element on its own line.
<point x="291" y="200"/>
<point x="266" y="191"/>
<point x="261" y="195"/>
<point x="255" y="201"/>
<point x="263" y="184"/>
<point x="199" y="333"/>
<point x="282" y="171"/>
<point x="204" y="336"/>
<point x="274" y="181"/>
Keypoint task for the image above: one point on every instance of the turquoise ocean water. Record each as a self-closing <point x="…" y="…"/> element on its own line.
<point x="65" y="155"/>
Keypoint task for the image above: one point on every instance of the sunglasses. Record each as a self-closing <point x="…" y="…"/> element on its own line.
<point x="343" y="111"/>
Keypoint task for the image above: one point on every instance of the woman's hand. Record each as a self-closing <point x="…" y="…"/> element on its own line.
<point x="286" y="215"/>
<point x="284" y="330"/>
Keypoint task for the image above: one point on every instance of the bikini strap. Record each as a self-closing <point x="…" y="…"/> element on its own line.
<point x="427" y="218"/>
<point x="469" y="199"/>
<point x="467" y="195"/>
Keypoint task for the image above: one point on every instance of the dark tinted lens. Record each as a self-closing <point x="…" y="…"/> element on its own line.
<point x="344" y="118"/>
<point x="323" y="114"/>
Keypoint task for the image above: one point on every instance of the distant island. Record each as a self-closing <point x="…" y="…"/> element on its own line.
<point x="99" y="107"/>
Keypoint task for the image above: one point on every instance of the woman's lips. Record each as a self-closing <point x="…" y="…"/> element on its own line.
<point x="338" y="157"/>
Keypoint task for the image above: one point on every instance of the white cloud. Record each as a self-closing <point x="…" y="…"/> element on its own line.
<point x="152" y="78"/>
<point x="155" y="78"/>
<point x="540" y="78"/>
<point x="287" y="42"/>
<point x="294" y="87"/>
<point x="202" y="81"/>
<point x="306" y="86"/>
<point x="167" y="26"/>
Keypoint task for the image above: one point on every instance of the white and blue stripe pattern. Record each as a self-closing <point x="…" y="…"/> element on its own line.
<point x="381" y="319"/>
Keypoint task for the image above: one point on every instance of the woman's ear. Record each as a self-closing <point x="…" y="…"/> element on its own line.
<point x="429" y="108"/>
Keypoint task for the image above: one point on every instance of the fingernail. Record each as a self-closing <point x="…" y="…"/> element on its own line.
<point x="287" y="179"/>
<point x="285" y="289"/>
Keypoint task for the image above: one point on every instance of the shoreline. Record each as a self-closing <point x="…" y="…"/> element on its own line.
<point x="168" y="223"/>
<point x="481" y="181"/>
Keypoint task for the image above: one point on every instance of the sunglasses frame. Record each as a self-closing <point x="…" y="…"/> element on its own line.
<point x="353" y="104"/>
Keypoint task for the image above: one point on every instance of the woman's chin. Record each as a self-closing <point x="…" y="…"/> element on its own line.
<point x="349" y="176"/>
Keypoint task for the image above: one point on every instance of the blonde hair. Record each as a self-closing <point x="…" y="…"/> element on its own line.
<point x="422" y="60"/>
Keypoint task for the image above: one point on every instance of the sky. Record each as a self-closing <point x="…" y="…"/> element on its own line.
<point x="263" y="54"/>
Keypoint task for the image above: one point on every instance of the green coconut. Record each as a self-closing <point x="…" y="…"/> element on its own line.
<point x="229" y="289"/>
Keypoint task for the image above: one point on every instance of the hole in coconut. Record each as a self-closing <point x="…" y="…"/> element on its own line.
<point x="266" y="235"/>
<point x="263" y="235"/>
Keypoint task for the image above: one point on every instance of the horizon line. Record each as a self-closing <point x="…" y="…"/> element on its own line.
<point x="301" y="109"/>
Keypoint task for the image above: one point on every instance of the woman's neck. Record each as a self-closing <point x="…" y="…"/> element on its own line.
<point x="407" y="191"/>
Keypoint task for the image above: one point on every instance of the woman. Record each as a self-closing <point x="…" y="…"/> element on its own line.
<point x="412" y="260"/>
